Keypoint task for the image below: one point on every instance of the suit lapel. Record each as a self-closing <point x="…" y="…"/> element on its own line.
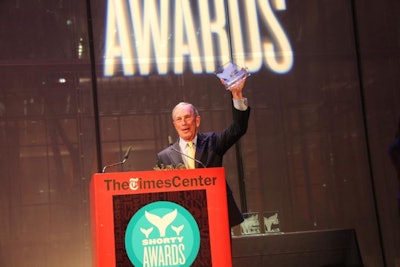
<point x="200" y="146"/>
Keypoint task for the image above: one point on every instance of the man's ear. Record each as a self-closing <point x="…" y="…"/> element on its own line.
<point x="198" y="119"/>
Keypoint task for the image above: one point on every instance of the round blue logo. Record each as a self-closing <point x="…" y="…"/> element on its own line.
<point x="162" y="233"/>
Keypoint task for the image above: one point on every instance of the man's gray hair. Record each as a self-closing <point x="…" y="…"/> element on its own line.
<point x="194" y="109"/>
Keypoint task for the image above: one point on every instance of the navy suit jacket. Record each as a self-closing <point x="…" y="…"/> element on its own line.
<point x="210" y="149"/>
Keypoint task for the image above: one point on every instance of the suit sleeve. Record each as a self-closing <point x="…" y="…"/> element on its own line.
<point x="235" y="131"/>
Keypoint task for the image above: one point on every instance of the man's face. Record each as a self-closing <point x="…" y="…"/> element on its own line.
<point x="186" y="122"/>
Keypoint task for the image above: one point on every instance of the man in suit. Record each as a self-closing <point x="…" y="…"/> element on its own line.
<point x="209" y="147"/>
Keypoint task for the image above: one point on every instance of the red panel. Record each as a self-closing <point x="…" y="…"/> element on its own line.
<point x="106" y="185"/>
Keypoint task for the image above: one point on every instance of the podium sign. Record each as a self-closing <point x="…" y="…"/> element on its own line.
<point x="160" y="218"/>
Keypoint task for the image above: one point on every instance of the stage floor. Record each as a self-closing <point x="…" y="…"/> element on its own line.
<point x="334" y="248"/>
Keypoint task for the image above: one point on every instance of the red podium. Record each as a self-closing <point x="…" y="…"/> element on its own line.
<point x="160" y="218"/>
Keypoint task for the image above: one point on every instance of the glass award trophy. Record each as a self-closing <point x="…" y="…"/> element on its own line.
<point x="230" y="73"/>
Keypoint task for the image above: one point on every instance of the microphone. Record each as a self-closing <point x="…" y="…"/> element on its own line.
<point x="196" y="160"/>
<point x="170" y="142"/>
<point x="121" y="162"/>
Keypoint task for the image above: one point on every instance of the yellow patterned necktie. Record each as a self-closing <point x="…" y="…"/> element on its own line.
<point x="191" y="154"/>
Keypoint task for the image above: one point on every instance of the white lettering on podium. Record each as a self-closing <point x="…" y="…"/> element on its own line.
<point x="166" y="255"/>
<point x="134" y="184"/>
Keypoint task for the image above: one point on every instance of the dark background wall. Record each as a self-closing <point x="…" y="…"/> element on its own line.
<point x="316" y="149"/>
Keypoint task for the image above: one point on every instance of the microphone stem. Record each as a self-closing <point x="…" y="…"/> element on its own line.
<point x="196" y="160"/>
<point x="119" y="163"/>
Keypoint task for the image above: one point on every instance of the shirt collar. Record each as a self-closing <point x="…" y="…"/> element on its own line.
<point x="183" y="143"/>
